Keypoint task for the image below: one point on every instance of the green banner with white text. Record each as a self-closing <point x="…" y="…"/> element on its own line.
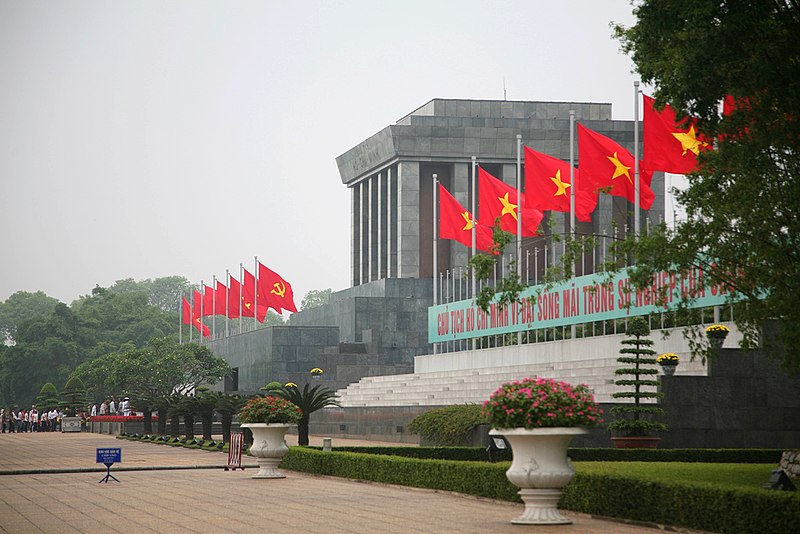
<point x="583" y="299"/>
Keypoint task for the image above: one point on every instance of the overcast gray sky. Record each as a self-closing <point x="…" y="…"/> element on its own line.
<point x="155" y="138"/>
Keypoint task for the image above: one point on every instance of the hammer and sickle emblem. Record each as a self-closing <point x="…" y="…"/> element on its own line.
<point x="279" y="290"/>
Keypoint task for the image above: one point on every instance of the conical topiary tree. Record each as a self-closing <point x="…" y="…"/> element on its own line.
<point x="308" y="400"/>
<point x="47" y="398"/>
<point x="636" y="419"/>
<point x="74" y="396"/>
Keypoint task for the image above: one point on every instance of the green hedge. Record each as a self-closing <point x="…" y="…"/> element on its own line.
<point x="473" y="478"/>
<point x="682" y="505"/>
<point x="695" y="507"/>
<point x="478" y="454"/>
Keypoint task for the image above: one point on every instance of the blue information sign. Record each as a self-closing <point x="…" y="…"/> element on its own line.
<point x="109" y="456"/>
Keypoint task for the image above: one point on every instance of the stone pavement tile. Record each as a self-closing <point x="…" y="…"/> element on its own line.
<point x="192" y="500"/>
<point x="215" y="500"/>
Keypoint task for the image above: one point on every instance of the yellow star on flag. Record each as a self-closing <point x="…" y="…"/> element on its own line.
<point x="562" y="186"/>
<point x="467" y="221"/>
<point x="689" y="141"/>
<point x="619" y="168"/>
<point x="508" y="207"/>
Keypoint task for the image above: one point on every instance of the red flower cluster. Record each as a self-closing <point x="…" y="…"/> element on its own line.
<point x="119" y="418"/>
<point x="541" y="402"/>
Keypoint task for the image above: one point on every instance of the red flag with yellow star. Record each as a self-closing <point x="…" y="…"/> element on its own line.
<point x="273" y="291"/>
<point x="221" y="298"/>
<point x="547" y="186"/>
<point x="456" y="223"/>
<point x="498" y="199"/>
<point x="670" y="145"/>
<point x="606" y="165"/>
<point x="234" y="302"/>
<point x="196" y="316"/>
<point x="208" y="301"/>
<point x="248" y="294"/>
<point x="186" y="312"/>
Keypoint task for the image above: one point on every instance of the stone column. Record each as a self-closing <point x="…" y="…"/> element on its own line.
<point x="408" y="219"/>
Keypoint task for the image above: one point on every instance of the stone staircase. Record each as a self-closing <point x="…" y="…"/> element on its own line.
<point x="470" y="385"/>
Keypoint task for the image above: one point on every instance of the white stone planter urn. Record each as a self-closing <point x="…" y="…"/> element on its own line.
<point x="269" y="447"/>
<point x="540" y="468"/>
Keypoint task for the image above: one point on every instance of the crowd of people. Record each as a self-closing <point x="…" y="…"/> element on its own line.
<point x="31" y="420"/>
<point x="110" y="407"/>
<point x="19" y="420"/>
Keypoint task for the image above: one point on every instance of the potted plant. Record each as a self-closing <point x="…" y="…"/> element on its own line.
<point x="716" y="334"/>
<point x="635" y="419"/>
<point x="309" y="400"/>
<point x="269" y="418"/>
<point x="539" y="417"/>
<point x="668" y="362"/>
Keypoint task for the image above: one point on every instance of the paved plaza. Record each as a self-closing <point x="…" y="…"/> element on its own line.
<point x="201" y="498"/>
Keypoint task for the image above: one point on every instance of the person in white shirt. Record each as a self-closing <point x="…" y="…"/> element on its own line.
<point x="53" y="416"/>
<point x="34" y="419"/>
<point x="112" y="408"/>
<point x="93" y="412"/>
<point x="125" y="406"/>
<point x="103" y="408"/>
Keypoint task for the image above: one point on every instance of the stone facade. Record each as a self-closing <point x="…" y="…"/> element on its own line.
<point x="390" y="176"/>
<point x="370" y="330"/>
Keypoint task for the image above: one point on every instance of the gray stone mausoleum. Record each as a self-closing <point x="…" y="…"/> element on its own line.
<point x="379" y="324"/>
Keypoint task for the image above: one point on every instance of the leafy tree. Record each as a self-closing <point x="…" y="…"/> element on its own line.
<point x="22" y="306"/>
<point x="316" y="298"/>
<point x="155" y="372"/>
<point x="308" y="400"/>
<point x="633" y="418"/>
<point x="741" y="204"/>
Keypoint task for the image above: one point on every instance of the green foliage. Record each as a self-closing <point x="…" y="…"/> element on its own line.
<point x="73" y="396"/>
<point x="508" y="287"/>
<point x="52" y="340"/>
<point x="479" y="454"/>
<point x="22" y="306"/>
<point x="309" y="400"/>
<point x="668" y="497"/>
<point x="272" y="386"/>
<point x="270" y="409"/>
<point x="47" y="398"/>
<point x="448" y="425"/>
<point x="316" y="298"/>
<point x="473" y="478"/>
<point x="636" y="419"/>
<point x="681" y="503"/>
<point x="741" y="205"/>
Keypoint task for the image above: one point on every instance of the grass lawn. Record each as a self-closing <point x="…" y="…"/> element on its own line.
<point x="720" y="475"/>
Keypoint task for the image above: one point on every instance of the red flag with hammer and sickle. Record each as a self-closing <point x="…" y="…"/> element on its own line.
<point x="274" y="291"/>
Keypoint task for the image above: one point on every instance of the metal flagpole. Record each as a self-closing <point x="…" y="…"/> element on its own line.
<point x="202" y="301"/>
<point x="474" y="233"/>
<point x="180" y="325"/>
<point x="227" y="305"/>
<point x="255" y="295"/>
<point x="636" y="158"/>
<point x="241" y="282"/>
<point x="214" y="307"/>
<point x="191" y="313"/>
<point x="435" y="244"/>
<point x="519" y="217"/>
<point x="572" y="191"/>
